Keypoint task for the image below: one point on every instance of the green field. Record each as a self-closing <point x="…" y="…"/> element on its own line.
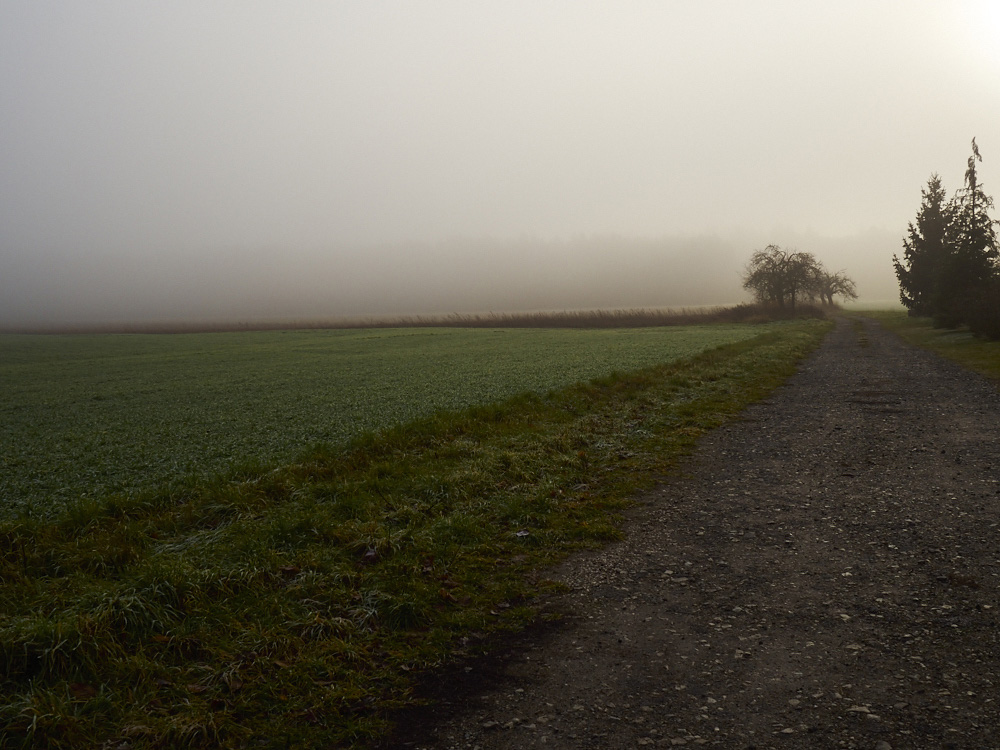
<point x="86" y="416"/>
<point x="299" y="602"/>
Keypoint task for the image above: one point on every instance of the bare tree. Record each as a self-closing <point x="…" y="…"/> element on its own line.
<point x="830" y="285"/>
<point x="778" y="277"/>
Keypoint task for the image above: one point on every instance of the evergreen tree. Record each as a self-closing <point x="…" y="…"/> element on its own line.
<point x="974" y="268"/>
<point x="971" y="261"/>
<point x="974" y="229"/>
<point x="924" y="251"/>
<point x="949" y="269"/>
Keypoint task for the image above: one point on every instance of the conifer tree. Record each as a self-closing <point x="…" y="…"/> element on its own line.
<point x="973" y="247"/>
<point x="950" y="254"/>
<point x="973" y="272"/>
<point x="924" y="251"/>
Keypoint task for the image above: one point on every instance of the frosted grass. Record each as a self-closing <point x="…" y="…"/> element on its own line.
<point x="89" y="415"/>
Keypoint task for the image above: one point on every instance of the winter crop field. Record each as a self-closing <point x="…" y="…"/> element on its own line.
<point x="86" y="416"/>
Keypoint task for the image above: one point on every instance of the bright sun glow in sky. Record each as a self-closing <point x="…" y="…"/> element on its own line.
<point x="984" y="29"/>
<point x="261" y="158"/>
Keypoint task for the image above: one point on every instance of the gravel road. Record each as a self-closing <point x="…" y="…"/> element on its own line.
<point x="823" y="575"/>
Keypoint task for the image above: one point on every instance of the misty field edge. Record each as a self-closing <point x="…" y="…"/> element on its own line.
<point x="298" y="605"/>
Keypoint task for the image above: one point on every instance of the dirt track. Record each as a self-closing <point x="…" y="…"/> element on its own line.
<point x="824" y="576"/>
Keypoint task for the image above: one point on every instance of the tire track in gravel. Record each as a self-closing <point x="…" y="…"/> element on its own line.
<point x="824" y="575"/>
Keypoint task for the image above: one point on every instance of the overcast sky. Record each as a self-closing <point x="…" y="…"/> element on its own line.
<point x="272" y="159"/>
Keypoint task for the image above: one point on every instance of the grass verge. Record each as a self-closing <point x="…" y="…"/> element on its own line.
<point x="958" y="345"/>
<point x="294" y="606"/>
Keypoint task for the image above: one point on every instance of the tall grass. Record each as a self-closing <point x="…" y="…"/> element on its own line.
<point x="632" y="318"/>
<point x="616" y="318"/>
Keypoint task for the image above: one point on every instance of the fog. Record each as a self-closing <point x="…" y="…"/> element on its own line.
<point x="251" y="161"/>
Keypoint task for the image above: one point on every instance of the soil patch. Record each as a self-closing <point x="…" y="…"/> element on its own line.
<point x="824" y="575"/>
